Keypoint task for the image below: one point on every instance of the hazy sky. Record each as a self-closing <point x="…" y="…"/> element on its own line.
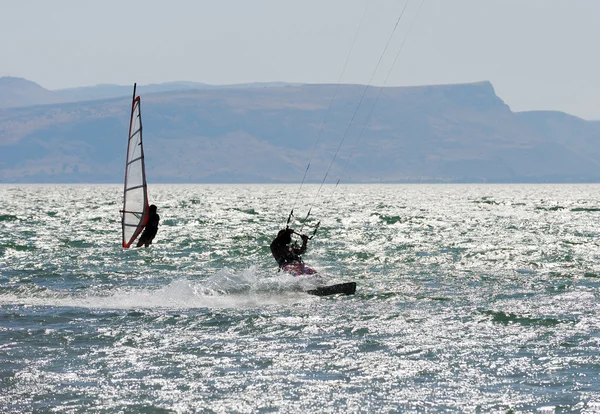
<point x="538" y="54"/>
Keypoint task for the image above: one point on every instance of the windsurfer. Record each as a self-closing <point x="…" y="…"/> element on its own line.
<point x="151" y="228"/>
<point x="286" y="253"/>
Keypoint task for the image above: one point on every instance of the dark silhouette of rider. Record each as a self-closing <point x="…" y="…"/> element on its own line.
<point x="284" y="251"/>
<point x="151" y="228"/>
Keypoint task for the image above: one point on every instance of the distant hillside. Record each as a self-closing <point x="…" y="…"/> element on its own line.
<point x="21" y="92"/>
<point x="18" y="92"/>
<point x="445" y="133"/>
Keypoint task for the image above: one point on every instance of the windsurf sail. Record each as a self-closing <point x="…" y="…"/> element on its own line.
<point x="135" y="193"/>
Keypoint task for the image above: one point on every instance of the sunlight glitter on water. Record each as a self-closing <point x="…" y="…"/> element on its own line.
<point x="470" y="298"/>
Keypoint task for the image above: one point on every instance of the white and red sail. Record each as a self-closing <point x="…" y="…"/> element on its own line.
<point x="135" y="193"/>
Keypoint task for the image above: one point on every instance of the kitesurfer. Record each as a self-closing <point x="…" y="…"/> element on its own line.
<point x="284" y="251"/>
<point x="151" y="228"/>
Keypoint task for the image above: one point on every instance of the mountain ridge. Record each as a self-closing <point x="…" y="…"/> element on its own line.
<point x="435" y="133"/>
<point x="17" y="92"/>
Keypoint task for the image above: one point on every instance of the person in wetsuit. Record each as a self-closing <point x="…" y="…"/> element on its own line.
<point x="284" y="251"/>
<point x="151" y="228"/>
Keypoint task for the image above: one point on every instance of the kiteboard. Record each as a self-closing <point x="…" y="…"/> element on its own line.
<point x="347" y="288"/>
<point x="299" y="269"/>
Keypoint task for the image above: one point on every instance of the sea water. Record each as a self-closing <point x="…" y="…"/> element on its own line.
<point x="470" y="298"/>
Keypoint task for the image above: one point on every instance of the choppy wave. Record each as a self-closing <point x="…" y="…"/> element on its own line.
<point x="223" y="289"/>
<point x="8" y="217"/>
<point x="471" y="298"/>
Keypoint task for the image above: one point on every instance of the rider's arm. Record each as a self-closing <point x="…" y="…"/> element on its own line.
<point x="302" y="248"/>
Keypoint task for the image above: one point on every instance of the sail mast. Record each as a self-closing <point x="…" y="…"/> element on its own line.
<point x="135" y="194"/>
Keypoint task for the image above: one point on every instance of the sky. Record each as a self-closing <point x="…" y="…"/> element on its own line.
<point x="538" y="54"/>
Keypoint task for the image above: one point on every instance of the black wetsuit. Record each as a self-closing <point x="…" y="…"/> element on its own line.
<point x="285" y="254"/>
<point x="150" y="231"/>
